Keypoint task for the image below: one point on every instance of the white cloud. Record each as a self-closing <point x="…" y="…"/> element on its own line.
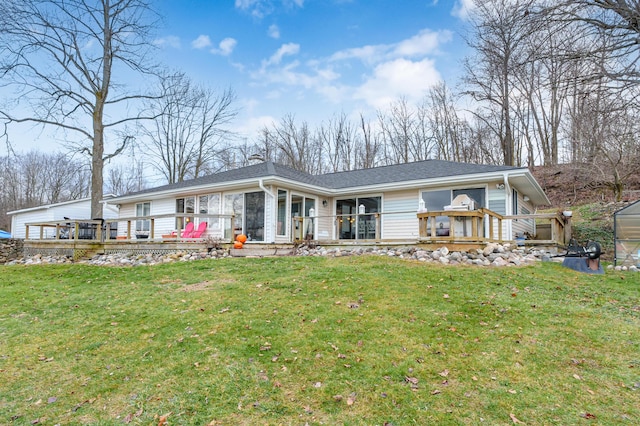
<point x="257" y="8"/>
<point x="424" y="43"/>
<point x="274" y="31"/>
<point x="201" y="42"/>
<point x="367" y="54"/>
<point x="398" y="78"/>
<point x="261" y="8"/>
<point x="390" y="71"/>
<point x="225" y="47"/>
<point x="251" y="126"/>
<point x="168" y="41"/>
<point x="284" y="50"/>
<point x="462" y="9"/>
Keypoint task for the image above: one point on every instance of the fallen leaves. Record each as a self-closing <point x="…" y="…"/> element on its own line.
<point x="515" y="420"/>
<point x="351" y="399"/>
<point x="162" y="420"/>
<point x="265" y="347"/>
<point x="129" y="418"/>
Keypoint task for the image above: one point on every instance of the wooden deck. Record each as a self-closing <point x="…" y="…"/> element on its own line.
<point x="472" y="229"/>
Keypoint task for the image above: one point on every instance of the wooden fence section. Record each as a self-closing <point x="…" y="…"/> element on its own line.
<point x="551" y="228"/>
<point x="469" y="226"/>
<point x="460" y="226"/>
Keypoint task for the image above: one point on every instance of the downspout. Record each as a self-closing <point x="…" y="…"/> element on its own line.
<point x="270" y="235"/>
<point x="266" y="191"/>
<point x="509" y="206"/>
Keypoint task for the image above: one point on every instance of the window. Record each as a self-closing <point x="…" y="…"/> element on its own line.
<point x="233" y="206"/>
<point x="254" y="216"/>
<point x="353" y="222"/>
<point x="309" y="225"/>
<point x="143" y="225"/>
<point x="514" y="202"/>
<point x="184" y="206"/>
<point x="476" y="194"/>
<point x="209" y="205"/>
<point x="435" y="201"/>
<point x="282" y="213"/>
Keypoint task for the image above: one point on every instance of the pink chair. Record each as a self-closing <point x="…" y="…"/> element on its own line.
<point x="188" y="230"/>
<point x="198" y="232"/>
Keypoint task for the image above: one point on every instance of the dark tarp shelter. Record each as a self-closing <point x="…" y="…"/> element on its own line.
<point x="626" y="223"/>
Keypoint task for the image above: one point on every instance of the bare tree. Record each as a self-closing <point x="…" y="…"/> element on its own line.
<point x="35" y="178"/>
<point x="341" y="143"/>
<point x="446" y="126"/>
<point x="67" y="60"/>
<point x="190" y="129"/>
<point x="125" y="178"/>
<point x="500" y="31"/>
<point x="371" y="148"/>
<point x="619" y="21"/>
<point x="295" y="145"/>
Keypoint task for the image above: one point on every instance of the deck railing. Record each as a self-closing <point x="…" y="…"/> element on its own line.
<point x="469" y="226"/>
<point x="550" y="227"/>
<point x="110" y="229"/>
<point x="361" y="226"/>
<point x="463" y="226"/>
<point x="473" y="226"/>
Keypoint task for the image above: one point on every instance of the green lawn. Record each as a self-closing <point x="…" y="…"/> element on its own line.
<point x="354" y="340"/>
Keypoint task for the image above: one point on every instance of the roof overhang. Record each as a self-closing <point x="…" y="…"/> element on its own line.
<point x="521" y="178"/>
<point x="528" y="185"/>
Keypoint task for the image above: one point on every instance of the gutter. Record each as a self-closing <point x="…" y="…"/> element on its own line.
<point x="266" y="191"/>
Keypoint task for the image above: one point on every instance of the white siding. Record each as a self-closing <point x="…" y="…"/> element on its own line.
<point x="325" y="226"/>
<point x="72" y="210"/>
<point x="19" y="220"/>
<point x="126" y="210"/>
<point x="270" y="215"/>
<point x="160" y="207"/>
<point x="497" y="202"/>
<point x="399" y="218"/>
<point x="523" y="225"/>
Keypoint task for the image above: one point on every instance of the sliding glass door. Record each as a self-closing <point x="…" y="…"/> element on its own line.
<point x="357" y="218"/>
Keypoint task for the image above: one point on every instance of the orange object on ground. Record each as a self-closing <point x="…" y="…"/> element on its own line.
<point x="237" y="245"/>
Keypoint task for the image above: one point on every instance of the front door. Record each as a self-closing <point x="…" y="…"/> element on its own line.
<point x="303" y="226"/>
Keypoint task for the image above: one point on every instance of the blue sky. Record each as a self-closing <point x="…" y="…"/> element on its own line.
<point x="313" y="58"/>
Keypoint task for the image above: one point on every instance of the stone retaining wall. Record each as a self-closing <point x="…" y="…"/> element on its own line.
<point x="10" y="249"/>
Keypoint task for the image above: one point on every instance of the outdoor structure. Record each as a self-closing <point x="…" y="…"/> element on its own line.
<point x="58" y="212"/>
<point x="412" y="203"/>
<point x="626" y="224"/>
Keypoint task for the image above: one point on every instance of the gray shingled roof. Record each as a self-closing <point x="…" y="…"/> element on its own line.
<point x="256" y="171"/>
<point x="428" y="169"/>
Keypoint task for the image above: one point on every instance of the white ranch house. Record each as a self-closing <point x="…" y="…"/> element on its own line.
<point x="275" y="204"/>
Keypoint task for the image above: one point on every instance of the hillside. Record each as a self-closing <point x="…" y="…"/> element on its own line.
<point x="568" y="185"/>
<point x="587" y="194"/>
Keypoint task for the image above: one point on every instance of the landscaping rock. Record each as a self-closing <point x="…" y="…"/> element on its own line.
<point x="497" y="255"/>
